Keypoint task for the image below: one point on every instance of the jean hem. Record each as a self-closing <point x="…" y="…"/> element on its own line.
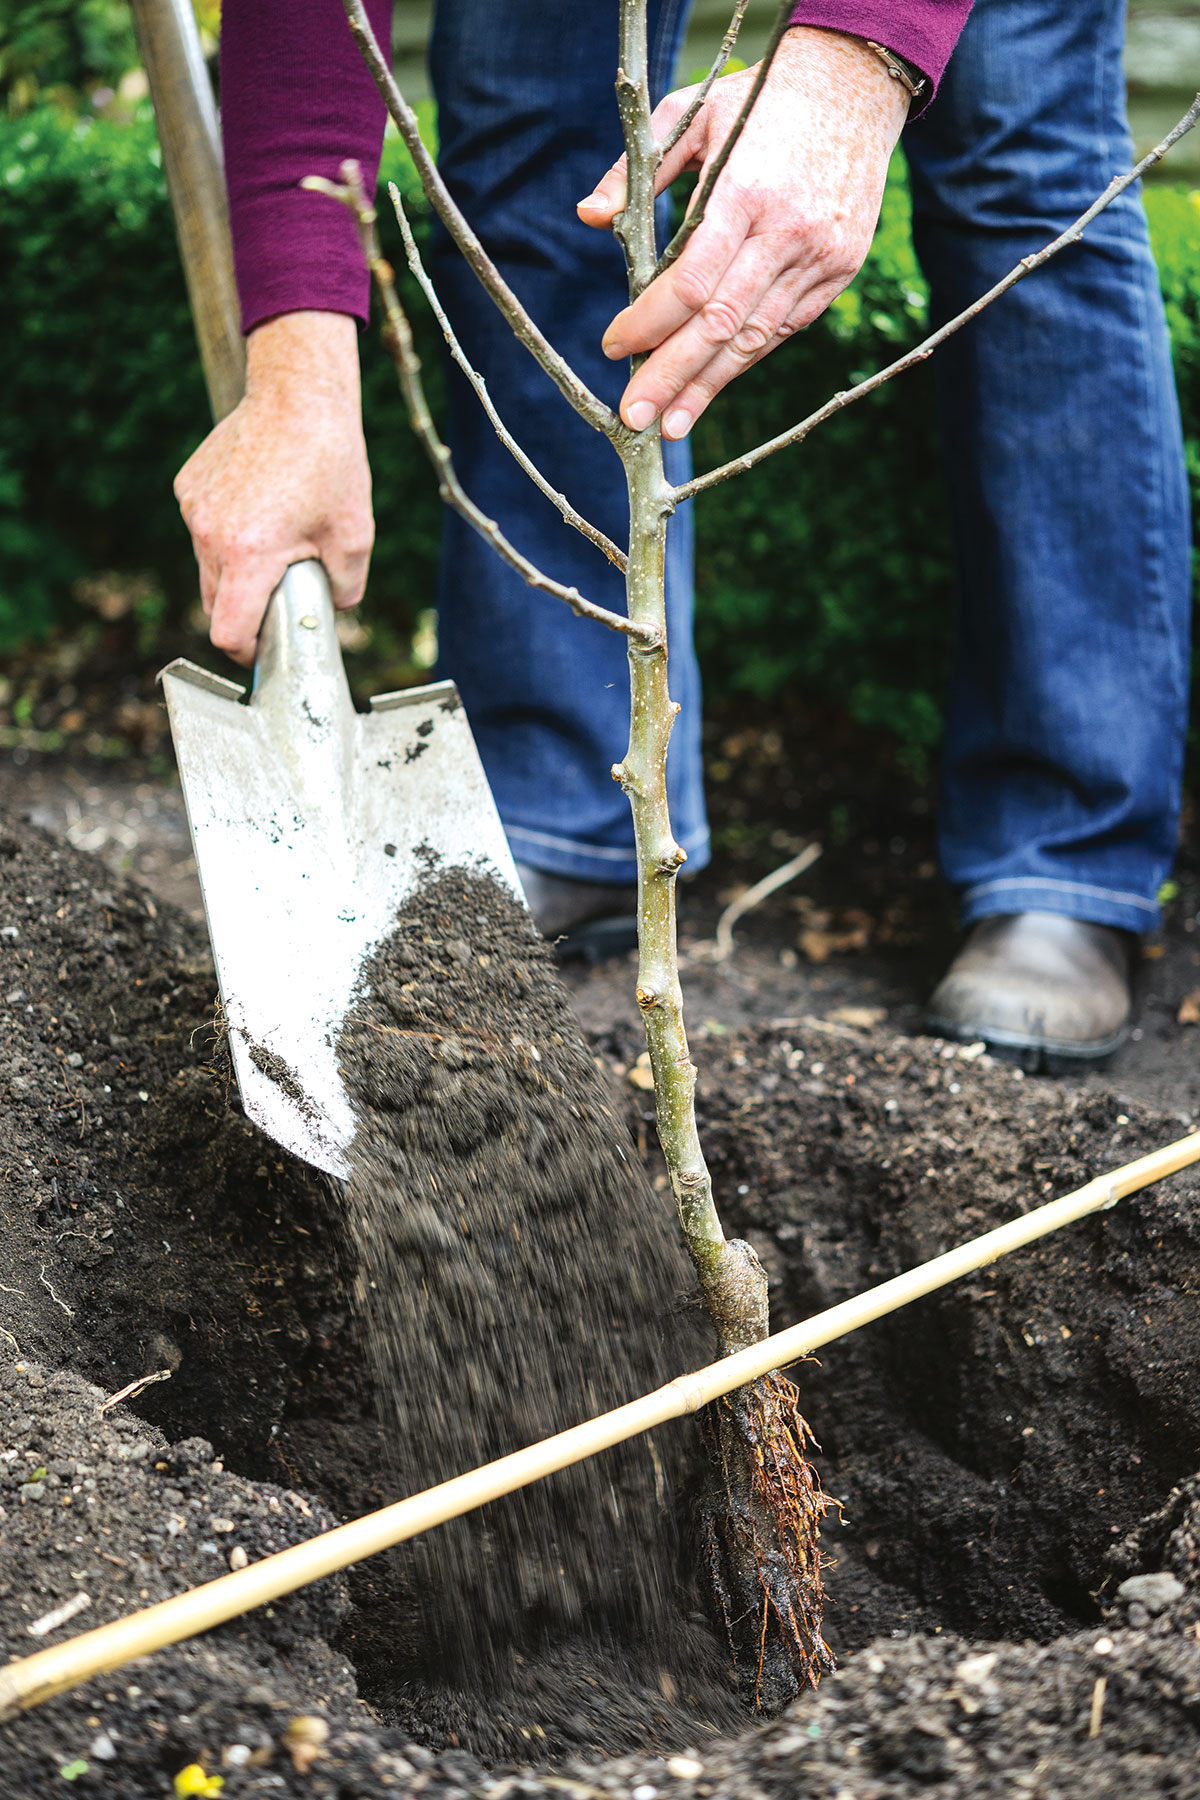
<point x="555" y="855"/>
<point x="1071" y="899"/>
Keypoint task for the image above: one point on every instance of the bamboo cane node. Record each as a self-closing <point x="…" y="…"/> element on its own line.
<point x="686" y="1385"/>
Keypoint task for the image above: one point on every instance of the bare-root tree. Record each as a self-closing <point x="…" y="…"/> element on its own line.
<point x="765" y="1504"/>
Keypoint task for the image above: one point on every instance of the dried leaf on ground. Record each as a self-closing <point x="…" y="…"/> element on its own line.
<point x="863" y="1018"/>
<point x="850" y="931"/>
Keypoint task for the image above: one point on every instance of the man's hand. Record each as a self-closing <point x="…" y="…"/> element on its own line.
<point x="283" y="478"/>
<point x="788" y="225"/>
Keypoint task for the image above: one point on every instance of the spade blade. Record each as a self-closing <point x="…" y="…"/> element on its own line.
<point x="311" y="825"/>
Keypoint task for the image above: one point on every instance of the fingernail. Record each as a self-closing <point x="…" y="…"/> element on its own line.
<point x="590" y="200"/>
<point x="677" y="424"/>
<point x="640" y="414"/>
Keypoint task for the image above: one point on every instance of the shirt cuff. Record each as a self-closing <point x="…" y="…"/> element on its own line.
<point x="297" y="251"/>
<point x="923" y="33"/>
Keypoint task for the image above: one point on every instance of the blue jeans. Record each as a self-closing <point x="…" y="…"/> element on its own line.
<point x="527" y="125"/>
<point x="1064" y="463"/>
<point x="1066" y="717"/>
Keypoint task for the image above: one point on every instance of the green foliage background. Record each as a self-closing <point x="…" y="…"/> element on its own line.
<point x="58" y="50"/>
<point x="825" y="572"/>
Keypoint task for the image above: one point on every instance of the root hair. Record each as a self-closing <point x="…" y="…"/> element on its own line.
<point x="761" y="1523"/>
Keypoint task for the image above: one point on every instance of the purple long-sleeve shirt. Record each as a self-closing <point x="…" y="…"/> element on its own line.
<point x="296" y="100"/>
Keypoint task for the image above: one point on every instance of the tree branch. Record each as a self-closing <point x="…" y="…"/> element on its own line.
<point x="700" y="484"/>
<point x="413" y="257"/>
<point x="398" y="340"/>
<point x="581" y="397"/>
<point x="701" y="95"/>
<point x="703" y="194"/>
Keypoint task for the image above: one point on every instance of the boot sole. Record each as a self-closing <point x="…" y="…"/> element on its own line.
<point x="1037" y="1056"/>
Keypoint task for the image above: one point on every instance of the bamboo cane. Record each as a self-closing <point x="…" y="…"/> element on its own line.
<point x="29" y="1681"/>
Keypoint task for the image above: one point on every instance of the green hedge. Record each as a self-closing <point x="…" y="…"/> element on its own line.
<point x="824" y="572"/>
<point x="62" y="51"/>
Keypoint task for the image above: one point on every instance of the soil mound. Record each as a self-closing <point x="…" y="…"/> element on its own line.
<point x="99" y="1516"/>
<point x="990" y="1441"/>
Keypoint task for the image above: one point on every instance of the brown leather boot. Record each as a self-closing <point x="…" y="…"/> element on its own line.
<point x="586" y="921"/>
<point x="1042" y="990"/>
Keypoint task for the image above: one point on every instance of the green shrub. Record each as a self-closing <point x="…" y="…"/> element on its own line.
<point x="1175" y="226"/>
<point x="62" y="49"/>
<point x="97" y="365"/>
<point x="824" y="572"/>
<point x="826" y="569"/>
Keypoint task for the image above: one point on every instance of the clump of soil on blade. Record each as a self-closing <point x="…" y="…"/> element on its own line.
<point x="1008" y="1453"/>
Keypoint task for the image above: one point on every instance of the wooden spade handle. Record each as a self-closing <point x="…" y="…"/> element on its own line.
<point x="191" y="145"/>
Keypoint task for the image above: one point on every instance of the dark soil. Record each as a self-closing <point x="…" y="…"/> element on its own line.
<point x="517" y="1274"/>
<point x="870" y="926"/>
<point x="1005" y="1451"/>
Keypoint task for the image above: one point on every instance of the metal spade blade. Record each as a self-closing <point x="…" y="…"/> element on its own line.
<point x="312" y="824"/>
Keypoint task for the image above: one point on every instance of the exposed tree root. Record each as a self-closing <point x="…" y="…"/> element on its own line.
<point x="761" y="1519"/>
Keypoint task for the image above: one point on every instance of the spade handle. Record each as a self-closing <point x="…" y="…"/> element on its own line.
<point x="303" y="698"/>
<point x="186" y="115"/>
<point x="299" y="664"/>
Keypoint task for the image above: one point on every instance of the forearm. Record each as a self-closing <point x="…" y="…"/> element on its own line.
<point x="296" y="100"/>
<point x="924" y="32"/>
<point x="307" y="354"/>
